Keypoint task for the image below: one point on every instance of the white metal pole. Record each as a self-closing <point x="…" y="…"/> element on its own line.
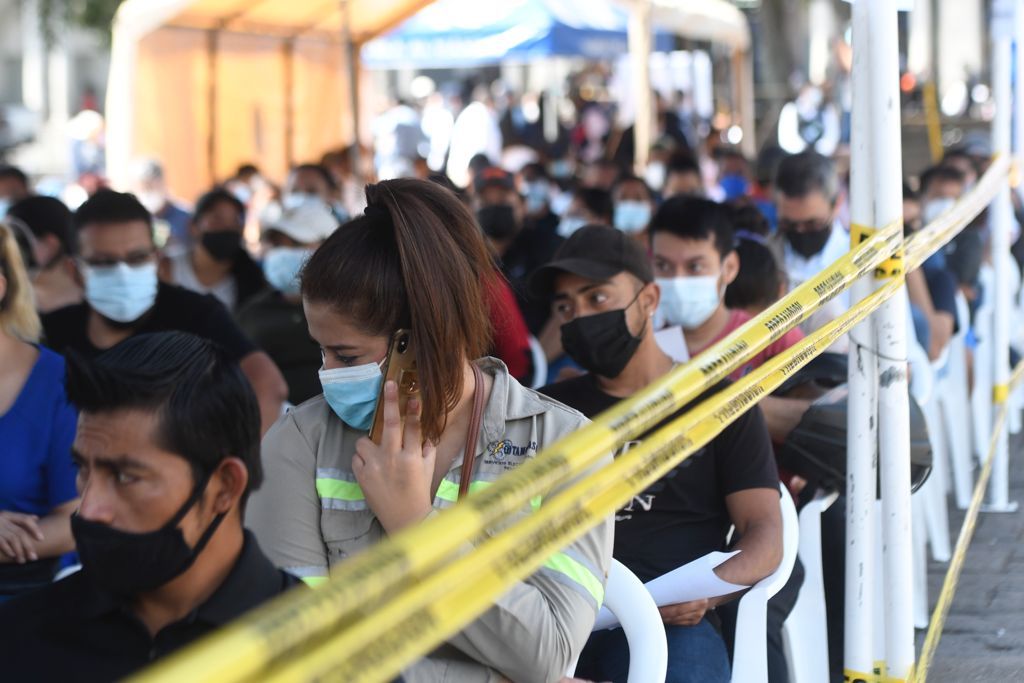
<point x="862" y="435"/>
<point x="1018" y="91"/>
<point x="1001" y="215"/>
<point x="891" y="343"/>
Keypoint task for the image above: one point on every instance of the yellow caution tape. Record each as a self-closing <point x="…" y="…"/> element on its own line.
<point x="891" y="267"/>
<point x="963" y="541"/>
<point x="931" y="112"/>
<point x="365" y="586"/>
<point x="879" y="674"/>
<point x="389" y="635"/>
<point x="1000" y="392"/>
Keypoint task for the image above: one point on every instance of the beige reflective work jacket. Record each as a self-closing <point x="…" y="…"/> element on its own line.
<point x="310" y="515"/>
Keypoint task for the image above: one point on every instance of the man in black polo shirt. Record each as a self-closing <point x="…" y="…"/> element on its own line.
<point x="167" y="449"/>
<point x="603" y="290"/>
<point x="116" y="263"/>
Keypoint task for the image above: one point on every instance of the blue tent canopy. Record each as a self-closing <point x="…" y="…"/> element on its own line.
<point x="467" y="33"/>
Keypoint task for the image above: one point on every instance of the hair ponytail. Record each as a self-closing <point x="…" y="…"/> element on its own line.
<point x="415" y="259"/>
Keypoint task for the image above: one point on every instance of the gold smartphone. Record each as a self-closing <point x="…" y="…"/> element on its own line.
<point x="400" y="367"/>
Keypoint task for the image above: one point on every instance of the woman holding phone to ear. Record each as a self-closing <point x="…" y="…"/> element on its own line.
<point x="416" y="262"/>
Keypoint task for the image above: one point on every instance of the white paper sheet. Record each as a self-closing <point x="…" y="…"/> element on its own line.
<point x="671" y="341"/>
<point x="692" y="581"/>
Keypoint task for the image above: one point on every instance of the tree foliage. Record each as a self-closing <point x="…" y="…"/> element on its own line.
<point x="94" y="15"/>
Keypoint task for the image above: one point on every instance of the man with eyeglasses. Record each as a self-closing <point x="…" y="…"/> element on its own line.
<point x="809" y="236"/>
<point x="116" y="265"/>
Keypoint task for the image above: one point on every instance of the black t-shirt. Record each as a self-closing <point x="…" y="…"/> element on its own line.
<point x="278" y="326"/>
<point x="682" y="516"/>
<point x="176" y="309"/>
<point x="72" y="631"/>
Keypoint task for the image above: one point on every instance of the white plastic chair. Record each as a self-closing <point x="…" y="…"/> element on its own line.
<point x="750" y="650"/>
<point x="540" y="363"/>
<point x="955" y="407"/>
<point x="626" y="598"/>
<point x="933" y="492"/>
<point x="805" y="631"/>
<point x="981" y="396"/>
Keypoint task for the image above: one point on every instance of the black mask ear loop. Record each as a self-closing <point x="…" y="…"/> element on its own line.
<point x="197" y="493"/>
<point x="636" y="298"/>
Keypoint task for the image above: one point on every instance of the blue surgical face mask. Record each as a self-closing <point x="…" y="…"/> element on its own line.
<point x="632" y="216"/>
<point x="536" y="194"/>
<point x="121" y="292"/>
<point x="282" y="265"/>
<point x="352" y="393"/>
<point x="293" y="200"/>
<point x="689" y="301"/>
<point x="570" y="224"/>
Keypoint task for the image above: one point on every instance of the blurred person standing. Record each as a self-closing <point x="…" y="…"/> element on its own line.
<point x="116" y="264"/>
<point x="37" y="426"/>
<point x="14" y="187"/>
<point x="49" y="222"/>
<point x="500" y="216"/>
<point x="274" y="318"/>
<point x="149" y="186"/>
<point x="218" y="262"/>
<point x="587" y="206"/>
<point x="682" y="176"/>
<point x="167" y="451"/>
<point x="476" y="131"/>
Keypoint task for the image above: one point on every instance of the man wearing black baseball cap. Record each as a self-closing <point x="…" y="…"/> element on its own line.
<point x="602" y="288"/>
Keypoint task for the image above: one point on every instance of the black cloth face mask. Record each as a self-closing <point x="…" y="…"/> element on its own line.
<point x="125" y="564"/>
<point x="498" y="221"/>
<point x="602" y="343"/>
<point x="223" y="245"/>
<point x="807" y="244"/>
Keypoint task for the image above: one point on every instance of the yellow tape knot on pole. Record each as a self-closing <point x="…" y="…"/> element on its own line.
<point x="891" y="267"/>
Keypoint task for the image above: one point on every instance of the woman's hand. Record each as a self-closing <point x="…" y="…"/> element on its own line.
<point x="396" y="476"/>
<point x="684" y="613"/>
<point x="19" y="534"/>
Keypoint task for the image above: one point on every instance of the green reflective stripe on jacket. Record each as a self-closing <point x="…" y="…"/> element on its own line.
<point x="338" y="489"/>
<point x="578" y="574"/>
<point x="314" y="581"/>
<point x="449" y="491"/>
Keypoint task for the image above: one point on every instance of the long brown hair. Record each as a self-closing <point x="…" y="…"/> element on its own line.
<point x="18" y="316"/>
<point x="415" y="259"/>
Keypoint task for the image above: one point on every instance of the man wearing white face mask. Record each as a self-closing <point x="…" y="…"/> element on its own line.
<point x="116" y="265"/>
<point x="274" y="319"/>
<point x="694" y="261"/>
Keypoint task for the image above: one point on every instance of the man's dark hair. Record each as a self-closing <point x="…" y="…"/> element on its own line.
<point x="682" y="162"/>
<point x="941" y="173"/>
<point x="46" y="216"/>
<point x="748" y="218"/>
<point x="8" y="172"/>
<point x="537" y="170"/>
<point x="695" y="218"/>
<point x="206" y="409"/>
<point x="321" y="170"/>
<point x="630" y="178"/>
<point x="107" y="206"/>
<point x="216" y="196"/>
<point x="246" y="170"/>
<point x="759" y="278"/>
<point x="798" y="175"/>
<point x="596" y="201"/>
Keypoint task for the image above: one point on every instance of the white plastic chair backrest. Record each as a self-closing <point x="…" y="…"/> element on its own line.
<point x="805" y="632"/>
<point x="66" y="572"/>
<point x="540" y="363"/>
<point x="627" y="598"/>
<point x="750" y="649"/>
<point x="922" y="375"/>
